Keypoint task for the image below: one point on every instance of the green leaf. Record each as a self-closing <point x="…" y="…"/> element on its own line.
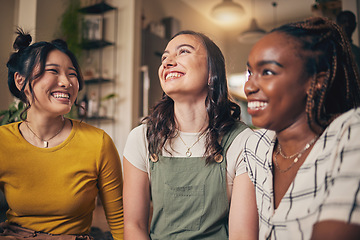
<point x="13" y="113"/>
<point x="5" y="119"/>
<point x="15" y="116"/>
<point x="3" y="112"/>
<point x="12" y="108"/>
<point x="21" y="105"/>
<point x="109" y="96"/>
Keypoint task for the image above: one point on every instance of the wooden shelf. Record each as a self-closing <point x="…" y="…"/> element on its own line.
<point x="95" y="44"/>
<point x="97" y="8"/>
<point x="97" y="81"/>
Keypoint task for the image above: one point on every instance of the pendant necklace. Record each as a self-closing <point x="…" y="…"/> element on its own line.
<point x="296" y="155"/>
<point x="188" y="152"/>
<point x="46" y="142"/>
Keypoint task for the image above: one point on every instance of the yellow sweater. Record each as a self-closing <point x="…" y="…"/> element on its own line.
<point x="53" y="190"/>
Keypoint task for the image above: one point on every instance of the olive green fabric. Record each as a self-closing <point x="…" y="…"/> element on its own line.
<point x="190" y="197"/>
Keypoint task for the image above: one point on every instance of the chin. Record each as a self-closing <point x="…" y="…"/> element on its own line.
<point x="259" y="123"/>
<point x="64" y="111"/>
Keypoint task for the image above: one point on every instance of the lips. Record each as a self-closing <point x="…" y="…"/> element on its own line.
<point x="173" y="75"/>
<point x="61" y="95"/>
<point x="257" y="105"/>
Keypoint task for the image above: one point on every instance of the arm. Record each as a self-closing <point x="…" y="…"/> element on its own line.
<point x="340" y="211"/>
<point x="243" y="217"/>
<point x="333" y="230"/>
<point x="110" y="186"/>
<point x="136" y="202"/>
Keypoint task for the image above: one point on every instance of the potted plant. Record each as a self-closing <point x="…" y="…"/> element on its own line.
<point x="12" y="114"/>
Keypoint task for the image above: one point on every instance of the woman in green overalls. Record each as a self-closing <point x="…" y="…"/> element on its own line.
<point x="181" y="166"/>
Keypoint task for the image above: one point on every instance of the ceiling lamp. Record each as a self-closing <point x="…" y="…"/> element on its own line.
<point x="228" y="11"/>
<point x="254" y="32"/>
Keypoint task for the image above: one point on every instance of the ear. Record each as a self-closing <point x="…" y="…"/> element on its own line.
<point x="19" y="80"/>
<point x="319" y="80"/>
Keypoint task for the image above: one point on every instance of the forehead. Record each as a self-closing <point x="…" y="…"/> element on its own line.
<point x="186" y="39"/>
<point x="276" y="46"/>
<point x="58" y="56"/>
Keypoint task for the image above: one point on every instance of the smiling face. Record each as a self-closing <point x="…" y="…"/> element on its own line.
<point x="278" y="82"/>
<point x="184" y="68"/>
<point x="55" y="91"/>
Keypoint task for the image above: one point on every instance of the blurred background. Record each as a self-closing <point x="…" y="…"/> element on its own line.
<point x="119" y="44"/>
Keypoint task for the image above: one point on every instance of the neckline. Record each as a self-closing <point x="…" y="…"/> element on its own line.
<point x="273" y="143"/>
<point x="189" y="133"/>
<point x="303" y="165"/>
<point x="74" y="124"/>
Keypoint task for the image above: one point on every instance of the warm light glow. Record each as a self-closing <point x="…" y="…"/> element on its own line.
<point x="228" y="11"/>
<point x="237" y="83"/>
<point x="253" y="34"/>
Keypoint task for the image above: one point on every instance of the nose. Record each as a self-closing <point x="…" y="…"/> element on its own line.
<point x="64" y="81"/>
<point x="250" y="86"/>
<point x="169" y="61"/>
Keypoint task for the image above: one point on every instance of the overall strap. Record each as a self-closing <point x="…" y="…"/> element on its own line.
<point x="231" y="135"/>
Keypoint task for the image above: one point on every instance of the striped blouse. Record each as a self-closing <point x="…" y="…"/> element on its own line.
<point x="326" y="187"/>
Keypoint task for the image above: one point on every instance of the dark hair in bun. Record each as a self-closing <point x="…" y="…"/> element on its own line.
<point x="22" y="41"/>
<point x="26" y="57"/>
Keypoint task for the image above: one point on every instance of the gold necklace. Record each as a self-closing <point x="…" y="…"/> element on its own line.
<point x="188" y="151"/>
<point x="46" y="142"/>
<point x="296" y="155"/>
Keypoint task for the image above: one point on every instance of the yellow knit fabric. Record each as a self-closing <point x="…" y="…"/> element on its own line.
<point x="53" y="190"/>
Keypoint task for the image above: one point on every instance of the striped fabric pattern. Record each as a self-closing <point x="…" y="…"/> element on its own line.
<point x="326" y="187"/>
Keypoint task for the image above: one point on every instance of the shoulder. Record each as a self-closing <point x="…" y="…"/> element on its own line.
<point x="236" y="146"/>
<point x="343" y="132"/>
<point x="137" y="134"/>
<point x="238" y="130"/>
<point x="260" y="138"/>
<point x="85" y="130"/>
<point x="239" y="127"/>
<point x="9" y="126"/>
<point x="348" y="122"/>
<point x="242" y="137"/>
<point x="139" y="131"/>
<point x="9" y="129"/>
<point x="83" y="126"/>
<point x="350" y="117"/>
<point x="135" y="150"/>
<point x="136" y="138"/>
<point x="257" y="147"/>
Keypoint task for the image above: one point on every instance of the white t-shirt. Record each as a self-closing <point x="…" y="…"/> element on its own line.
<point x="136" y="151"/>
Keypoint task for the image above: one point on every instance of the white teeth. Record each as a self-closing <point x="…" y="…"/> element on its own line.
<point x="61" y="95"/>
<point x="256" y="104"/>
<point x="173" y="75"/>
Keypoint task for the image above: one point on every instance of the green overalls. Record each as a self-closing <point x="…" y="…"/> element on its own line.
<point x="190" y="197"/>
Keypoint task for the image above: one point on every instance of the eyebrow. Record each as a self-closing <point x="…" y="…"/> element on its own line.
<point x="262" y="63"/>
<point x="57" y="65"/>
<point x="180" y="46"/>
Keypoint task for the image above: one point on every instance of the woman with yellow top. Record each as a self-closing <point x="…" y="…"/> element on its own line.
<point x="52" y="168"/>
